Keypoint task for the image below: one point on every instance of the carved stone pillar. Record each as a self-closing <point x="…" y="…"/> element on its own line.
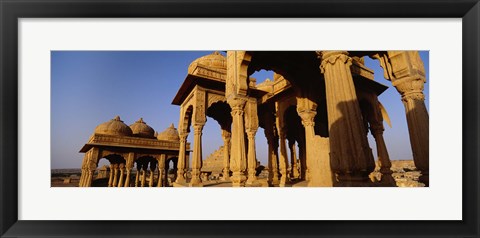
<point x="251" y="127"/>
<point x="406" y="71"/>
<point x="272" y="151"/>
<point x="226" y="154"/>
<point x="137" y="177"/>
<point x="196" y="181"/>
<point x="128" y="168"/>
<point x="311" y="173"/>
<point x="293" y="159"/>
<point x="90" y="166"/>
<point x="110" y="179"/>
<point x="418" y="122"/>
<point x="283" y="158"/>
<point x="350" y="154"/>
<point x="90" y="178"/>
<point x="143" y="175"/>
<point x="115" y="175"/>
<point x="238" y="156"/>
<point x="302" y="153"/>
<point x="252" y="158"/>
<point x="150" y="182"/>
<point x="161" y="169"/>
<point x="127" y="177"/>
<point x="182" y="158"/>
<point x="84" y="175"/>
<point x="383" y="157"/>
<point x="121" y="172"/>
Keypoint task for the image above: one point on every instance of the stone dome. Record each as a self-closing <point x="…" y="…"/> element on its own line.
<point x="170" y="134"/>
<point x="141" y="129"/>
<point x="114" y="127"/>
<point x="214" y="60"/>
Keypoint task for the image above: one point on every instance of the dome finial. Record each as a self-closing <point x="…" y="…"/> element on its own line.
<point x="117" y="118"/>
<point x="172" y="126"/>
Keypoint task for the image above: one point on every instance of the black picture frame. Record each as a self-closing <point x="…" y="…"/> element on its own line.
<point x="11" y="11"/>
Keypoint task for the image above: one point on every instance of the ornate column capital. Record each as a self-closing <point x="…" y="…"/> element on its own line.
<point x="308" y="117"/>
<point x="237" y="105"/>
<point x="331" y="57"/>
<point x="197" y="128"/>
<point x="410" y="88"/>
<point x="251" y="133"/>
<point x="183" y="136"/>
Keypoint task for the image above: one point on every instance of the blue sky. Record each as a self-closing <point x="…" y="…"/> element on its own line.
<point x="92" y="87"/>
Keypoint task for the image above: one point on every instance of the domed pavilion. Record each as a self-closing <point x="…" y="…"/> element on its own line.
<point x="126" y="147"/>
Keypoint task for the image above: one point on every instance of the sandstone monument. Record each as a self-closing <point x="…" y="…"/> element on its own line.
<point x="316" y="113"/>
<point x="125" y="146"/>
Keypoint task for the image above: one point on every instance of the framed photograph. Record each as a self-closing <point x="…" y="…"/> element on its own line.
<point x="97" y="95"/>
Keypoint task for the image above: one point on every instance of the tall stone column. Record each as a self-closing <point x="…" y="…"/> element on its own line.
<point x="226" y="154"/>
<point x="115" y="175"/>
<point x="137" y="177"/>
<point x="182" y="158"/>
<point x="375" y="120"/>
<point x="293" y="159"/>
<point x="91" y="166"/>
<point x="351" y="157"/>
<point x="129" y="166"/>
<point x="238" y="156"/>
<point x="303" y="160"/>
<point x="121" y="172"/>
<point x="127" y="176"/>
<point x="150" y="182"/>
<point x="406" y="71"/>
<point x="283" y="158"/>
<point x="143" y="175"/>
<point x="311" y="173"/>
<point x="84" y="175"/>
<point x="413" y="99"/>
<point x="252" y="158"/>
<point x="161" y="169"/>
<point x="110" y="179"/>
<point x="272" y="152"/>
<point x="197" y="156"/>
<point x="383" y="157"/>
<point x="90" y="178"/>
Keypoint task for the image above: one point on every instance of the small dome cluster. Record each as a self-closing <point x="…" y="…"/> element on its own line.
<point x="117" y="127"/>
<point x="214" y="60"/>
